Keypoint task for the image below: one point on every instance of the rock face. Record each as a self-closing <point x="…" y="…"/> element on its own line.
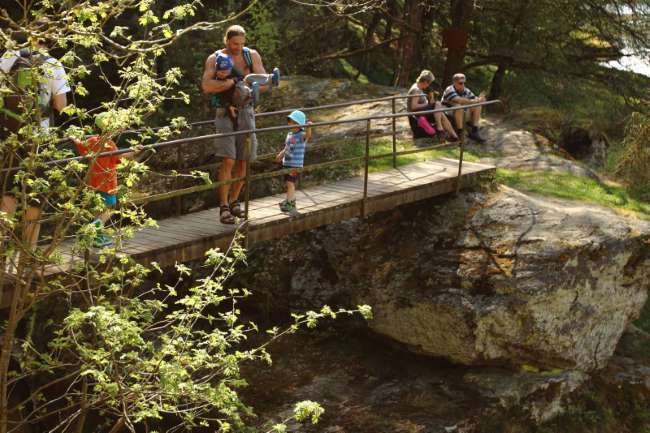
<point x="584" y="146"/>
<point x="367" y="386"/>
<point x="364" y="389"/>
<point x="484" y="278"/>
<point x="523" y="150"/>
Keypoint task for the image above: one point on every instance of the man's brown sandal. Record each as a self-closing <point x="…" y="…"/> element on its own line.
<point x="225" y="216"/>
<point x="236" y="210"/>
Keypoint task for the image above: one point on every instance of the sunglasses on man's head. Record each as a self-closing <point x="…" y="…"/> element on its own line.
<point x="461" y="82"/>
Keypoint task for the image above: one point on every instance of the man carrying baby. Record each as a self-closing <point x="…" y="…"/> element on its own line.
<point x="237" y="151"/>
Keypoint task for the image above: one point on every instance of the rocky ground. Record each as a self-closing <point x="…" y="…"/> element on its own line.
<point x="366" y="384"/>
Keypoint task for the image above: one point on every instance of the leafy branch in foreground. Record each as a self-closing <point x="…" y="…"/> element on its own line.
<point x="159" y="355"/>
<point x="99" y="345"/>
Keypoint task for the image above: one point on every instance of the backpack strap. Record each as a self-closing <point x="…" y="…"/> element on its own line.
<point x="23" y="55"/>
<point x="248" y="58"/>
<point x="27" y="55"/>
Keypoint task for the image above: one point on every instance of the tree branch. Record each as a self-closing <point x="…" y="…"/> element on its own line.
<point x="345" y="53"/>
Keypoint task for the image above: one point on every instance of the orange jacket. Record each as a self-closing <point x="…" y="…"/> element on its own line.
<point x="103" y="173"/>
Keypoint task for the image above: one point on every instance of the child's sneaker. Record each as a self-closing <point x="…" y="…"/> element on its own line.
<point x="102" y="240"/>
<point x="287" y="205"/>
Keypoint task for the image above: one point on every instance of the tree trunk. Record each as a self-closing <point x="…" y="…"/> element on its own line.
<point x="391" y="7"/>
<point x="461" y="18"/>
<point x="368" y="41"/>
<point x="5" y="355"/>
<point x="497" y="81"/>
<point x="410" y="45"/>
<point x="388" y="51"/>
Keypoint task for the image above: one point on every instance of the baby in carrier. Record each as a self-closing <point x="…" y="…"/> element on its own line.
<point x="244" y="94"/>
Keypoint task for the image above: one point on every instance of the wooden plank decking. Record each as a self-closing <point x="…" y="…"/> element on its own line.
<point x="187" y="237"/>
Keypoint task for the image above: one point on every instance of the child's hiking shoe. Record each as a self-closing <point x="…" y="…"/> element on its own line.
<point x="102" y="240"/>
<point x="287" y="205"/>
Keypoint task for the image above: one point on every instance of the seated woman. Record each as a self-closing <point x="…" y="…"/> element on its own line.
<point x="421" y="125"/>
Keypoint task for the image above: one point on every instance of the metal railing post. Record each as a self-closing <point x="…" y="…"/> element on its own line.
<point x="247" y="194"/>
<point x="461" y="135"/>
<point x="247" y="181"/>
<point x="179" y="162"/>
<point x="394" y="137"/>
<point x="364" y="209"/>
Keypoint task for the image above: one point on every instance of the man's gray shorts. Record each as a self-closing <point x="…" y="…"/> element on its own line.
<point x="240" y="147"/>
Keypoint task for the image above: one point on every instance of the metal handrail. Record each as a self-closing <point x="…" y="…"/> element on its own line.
<point x="367" y="157"/>
<point x="267" y="129"/>
<point x="287" y="111"/>
<point x="270" y="174"/>
<point x="249" y="178"/>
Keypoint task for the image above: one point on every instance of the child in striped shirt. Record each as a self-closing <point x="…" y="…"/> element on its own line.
<point x="293" y="155"/>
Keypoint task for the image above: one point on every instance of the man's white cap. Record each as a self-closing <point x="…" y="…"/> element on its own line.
<point x="459" y="76"/>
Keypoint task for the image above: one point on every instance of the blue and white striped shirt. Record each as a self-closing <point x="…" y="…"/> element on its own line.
<point x="294" y="149"/>
<point x="451" y="93"/>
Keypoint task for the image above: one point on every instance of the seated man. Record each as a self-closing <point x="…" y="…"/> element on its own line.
<point x="421" y="125"/>
<point x="458" y="94"/>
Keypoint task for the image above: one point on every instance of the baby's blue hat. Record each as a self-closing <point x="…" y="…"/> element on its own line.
<point x="298" y="117"/>
<point x="224" y="62"/>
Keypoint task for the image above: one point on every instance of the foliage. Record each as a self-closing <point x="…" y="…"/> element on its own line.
<point x="157" y="354"/>
<point x="548" y="60"/>
<point x="264" y="30"/>
<point x="634" y="160"/>
<point x="540" y="103"/>
<point x="132" y="353"/>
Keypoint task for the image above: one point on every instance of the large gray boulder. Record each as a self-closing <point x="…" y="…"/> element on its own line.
<point x="523" y="280"/>
<point x="484" y="278"/>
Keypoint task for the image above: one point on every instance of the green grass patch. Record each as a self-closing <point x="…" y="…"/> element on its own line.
<point x="567" y="186"/>
<point x="383" y="146"/>
<point x="386" y="146"/>
<point x="355" y="148"/>
<point x="353" y="72"/>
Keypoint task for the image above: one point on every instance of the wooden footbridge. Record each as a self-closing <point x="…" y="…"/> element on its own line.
<point x="187" y="237"/>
